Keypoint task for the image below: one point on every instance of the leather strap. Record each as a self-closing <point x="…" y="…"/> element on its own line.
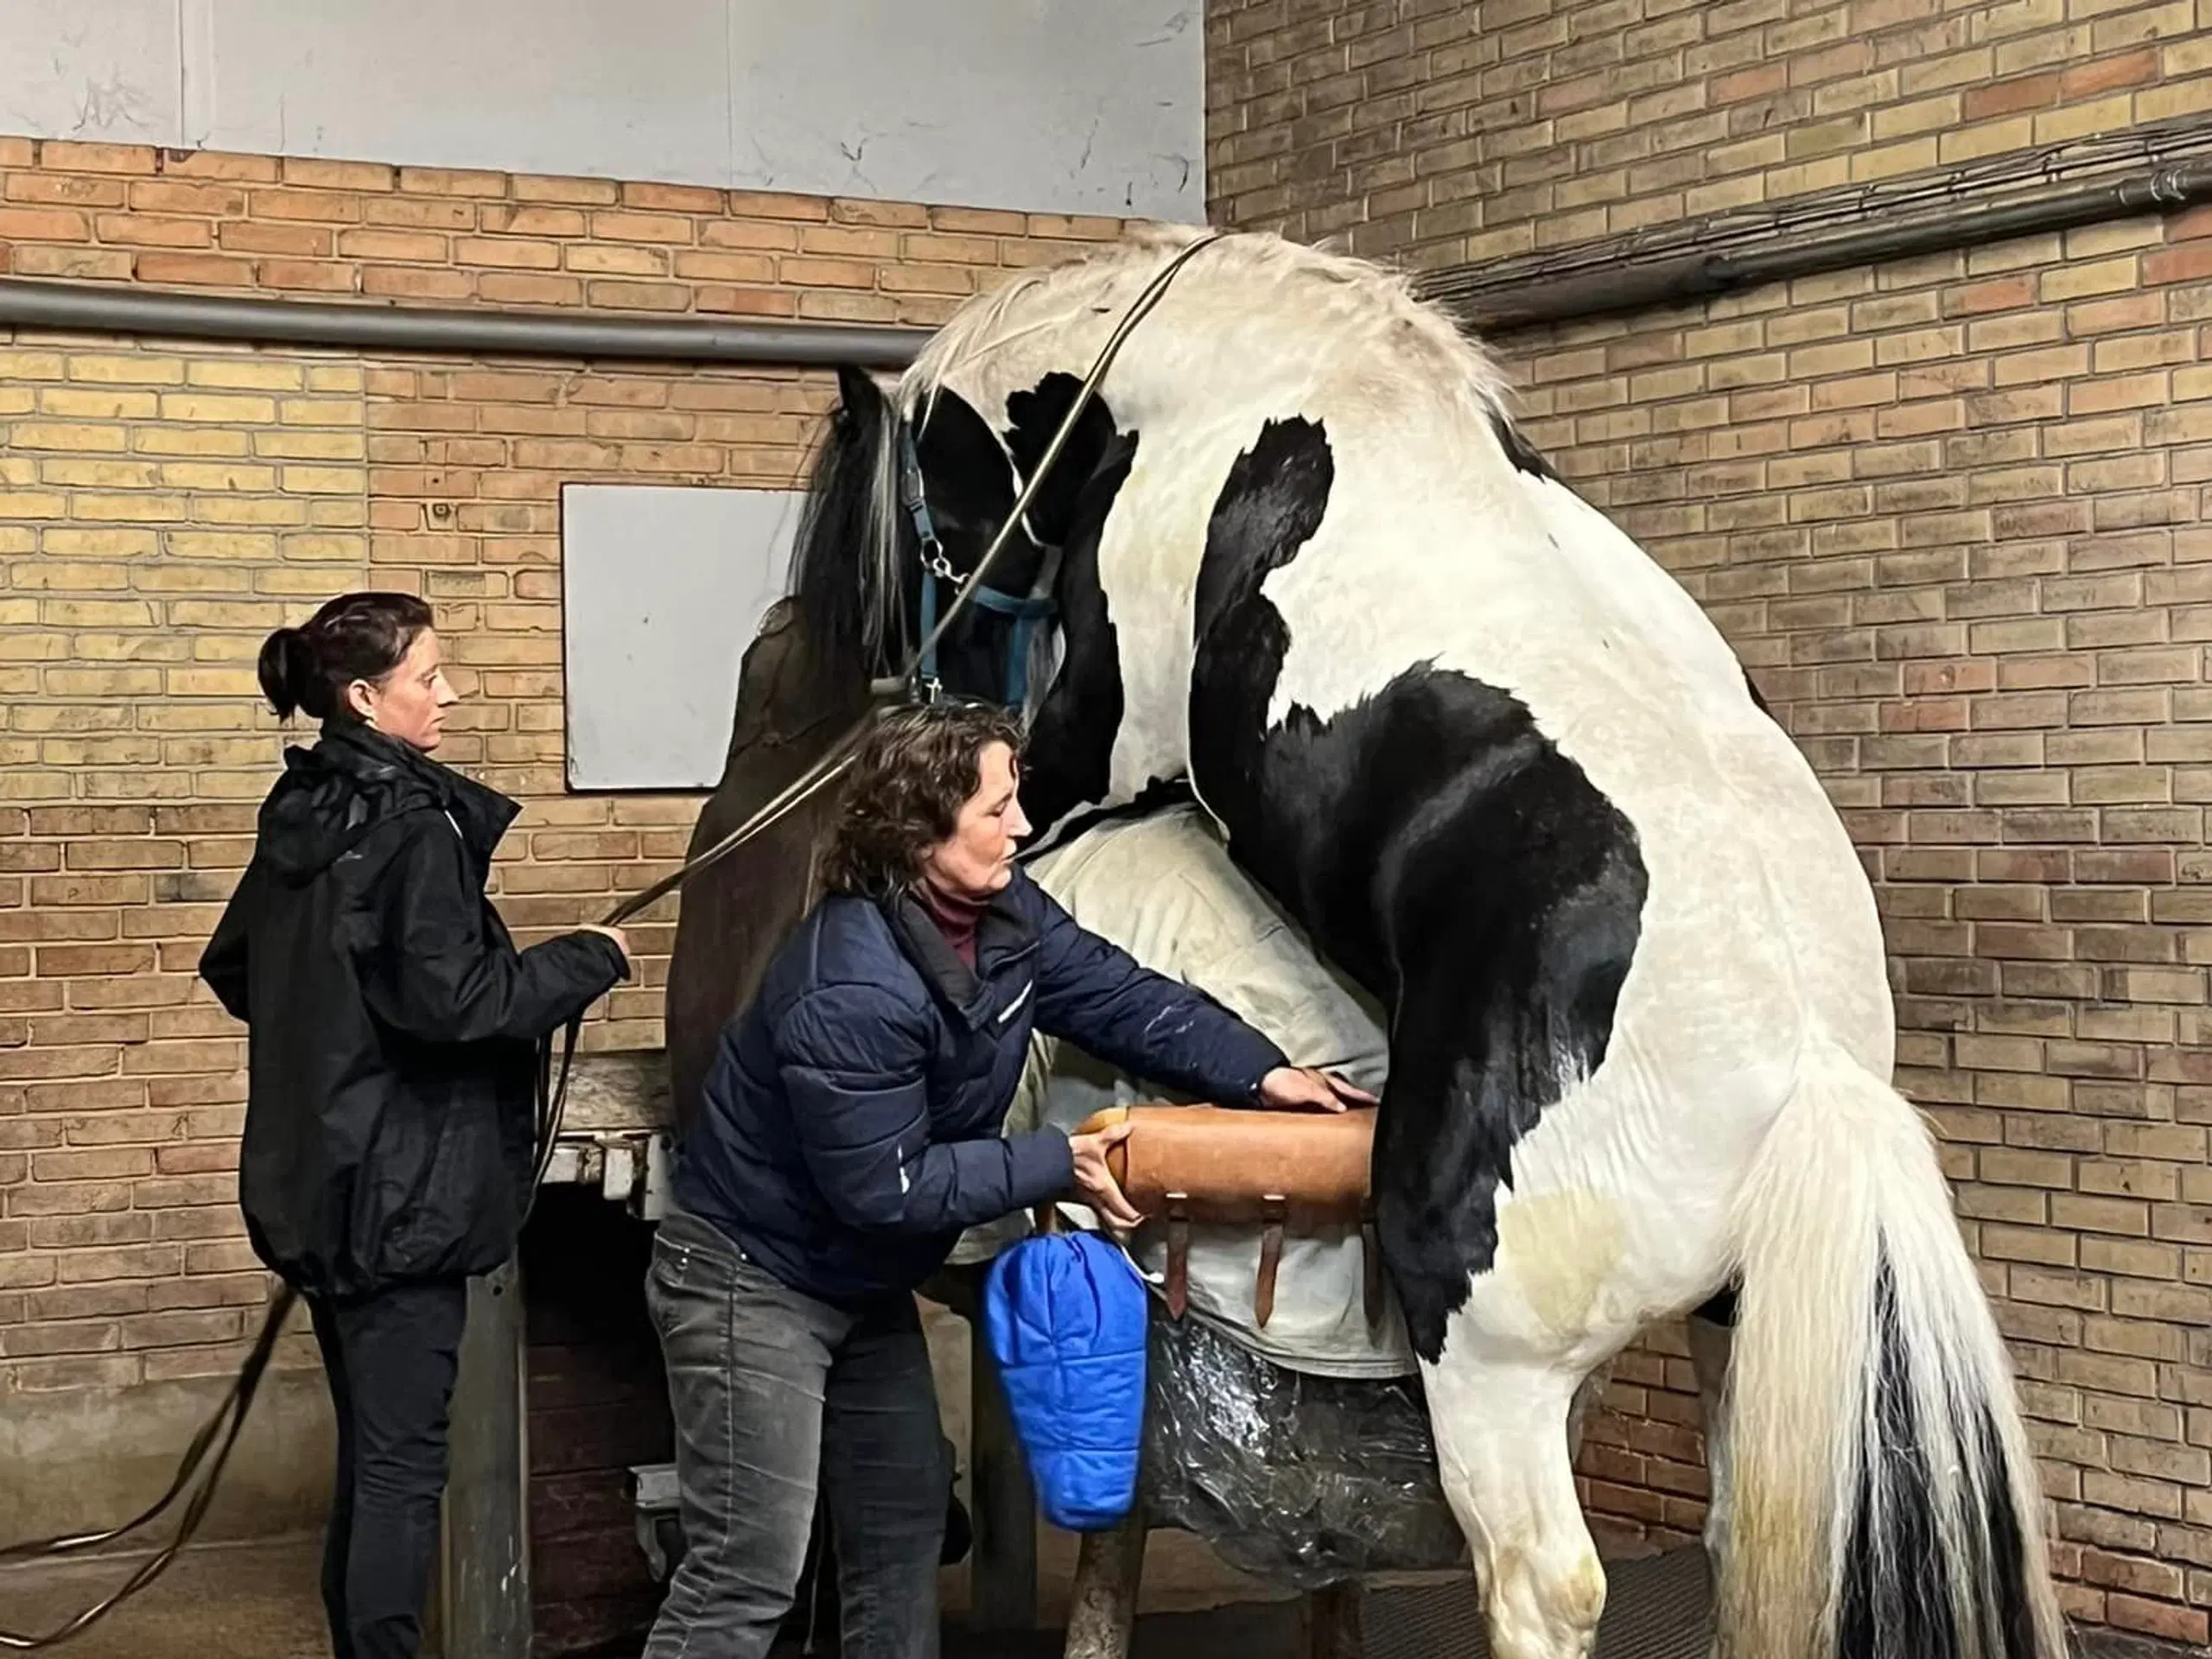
<point x="1263" y="1292"/>
<point x="1178" y="1260"/>
<point x="1370" y="1263"/>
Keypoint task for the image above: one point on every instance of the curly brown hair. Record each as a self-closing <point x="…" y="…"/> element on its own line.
<point x="912" y="775"/>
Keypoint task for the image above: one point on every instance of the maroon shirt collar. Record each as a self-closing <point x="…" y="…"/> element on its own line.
<point x="957" y="918"/>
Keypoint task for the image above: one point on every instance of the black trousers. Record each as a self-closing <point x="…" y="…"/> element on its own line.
<point x="391" y="1360"/>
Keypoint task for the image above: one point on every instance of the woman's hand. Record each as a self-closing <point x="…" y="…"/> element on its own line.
<point x="1095" y="1180"/>
<point x="1307" y="1089"/>
<point x="621" y="939"/>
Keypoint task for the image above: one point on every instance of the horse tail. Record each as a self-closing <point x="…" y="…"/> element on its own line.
<point x="1885" y="1504"/>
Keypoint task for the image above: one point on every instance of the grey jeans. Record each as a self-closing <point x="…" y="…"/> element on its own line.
<point x="768" y="1386"/>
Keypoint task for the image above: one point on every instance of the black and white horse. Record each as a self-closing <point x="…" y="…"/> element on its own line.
<point x="1506" y="774"/>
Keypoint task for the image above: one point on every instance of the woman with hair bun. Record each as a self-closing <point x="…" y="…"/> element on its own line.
<point x="392" y="1033"/>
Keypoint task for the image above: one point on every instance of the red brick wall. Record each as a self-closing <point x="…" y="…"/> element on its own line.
<point x="1951" y="512"/>
<point x="1450" y="132"/>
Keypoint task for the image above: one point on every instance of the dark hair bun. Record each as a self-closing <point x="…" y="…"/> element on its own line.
<point x="290" y="677"/>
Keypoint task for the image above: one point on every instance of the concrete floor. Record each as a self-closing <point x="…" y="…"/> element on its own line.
<point x="258" y="1601"/>
<point x="1181" y="1575"/>
<point x="261" y="1600"/>
<point x="215" y="1601"/>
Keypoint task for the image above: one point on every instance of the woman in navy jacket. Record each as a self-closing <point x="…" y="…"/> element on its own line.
<point x="850" y="1133"/>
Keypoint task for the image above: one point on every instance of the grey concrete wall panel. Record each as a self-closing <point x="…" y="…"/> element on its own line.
<point x="1042" y="106"/>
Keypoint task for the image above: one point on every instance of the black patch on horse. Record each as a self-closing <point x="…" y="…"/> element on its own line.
<point x="970" y="486"/>
<point x="1032" y="417"/>
<point x="1069" y="754"/>
<point x="1269" y="508"/>
<point x="1518" y="450"/>
<point x="1439" y="848"/>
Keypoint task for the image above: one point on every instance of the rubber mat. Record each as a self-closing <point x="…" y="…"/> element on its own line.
<point x="1656" y="1607"/>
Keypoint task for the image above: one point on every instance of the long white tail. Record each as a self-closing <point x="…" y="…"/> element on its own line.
<point x="1885" y="1503"/>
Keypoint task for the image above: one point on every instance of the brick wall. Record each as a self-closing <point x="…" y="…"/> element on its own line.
<point x="163" y="504"/>
<point x="1446" y="130"/>
<point x="1954" y="513"/>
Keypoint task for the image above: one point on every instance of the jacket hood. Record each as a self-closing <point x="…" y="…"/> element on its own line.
<point x="355" y="778"/>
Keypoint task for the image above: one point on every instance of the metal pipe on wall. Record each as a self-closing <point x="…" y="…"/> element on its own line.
<point x="1489" y="303"/>
<point x="1589" y="283"/>
<point x="114" y="310"/>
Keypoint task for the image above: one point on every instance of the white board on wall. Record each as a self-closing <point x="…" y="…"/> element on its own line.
<point x="661" y="589"/>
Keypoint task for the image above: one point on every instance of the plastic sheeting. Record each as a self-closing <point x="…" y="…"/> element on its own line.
<point x="1298" y="1479"/>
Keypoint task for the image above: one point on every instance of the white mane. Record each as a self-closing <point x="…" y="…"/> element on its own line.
<point x="1320" y="293"/>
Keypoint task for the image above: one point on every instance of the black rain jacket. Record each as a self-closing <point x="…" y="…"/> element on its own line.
<point x="392" y="1025"/>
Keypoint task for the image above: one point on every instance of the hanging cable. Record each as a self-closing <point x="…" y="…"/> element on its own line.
<point x="219" y="1431"/>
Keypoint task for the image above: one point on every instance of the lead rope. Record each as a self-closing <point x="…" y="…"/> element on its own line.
<point x="223" y="1427"/>
<point x="220" y="1431"/>
<point x="553" y="1100"/>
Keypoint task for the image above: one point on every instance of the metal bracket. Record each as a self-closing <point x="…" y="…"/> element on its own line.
<point x="631" y="1167"/>
<point x="651" y="1201"/>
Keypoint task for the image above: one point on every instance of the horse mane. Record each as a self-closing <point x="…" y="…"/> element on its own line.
<point x="1352" y="303"/>
<point x="844" y="572"/>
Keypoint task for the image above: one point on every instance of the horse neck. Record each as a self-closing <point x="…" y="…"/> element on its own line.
<point x="1226" y="341"/>
<point x="788" y="699"/>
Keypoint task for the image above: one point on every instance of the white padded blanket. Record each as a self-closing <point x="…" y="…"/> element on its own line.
<point x="1164" y="889"/>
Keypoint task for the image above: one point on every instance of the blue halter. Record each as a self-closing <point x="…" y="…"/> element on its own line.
<point x="1027" y="612"/>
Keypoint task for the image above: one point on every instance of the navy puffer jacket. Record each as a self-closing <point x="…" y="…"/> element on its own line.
<point x="850" y="1130"/>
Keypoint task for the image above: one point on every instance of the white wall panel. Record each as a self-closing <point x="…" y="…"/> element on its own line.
<point x="1044" y="105"/>
<point x="663" y="589"/>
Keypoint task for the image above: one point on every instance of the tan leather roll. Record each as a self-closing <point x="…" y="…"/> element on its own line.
<point x="1214" y="1164"/>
